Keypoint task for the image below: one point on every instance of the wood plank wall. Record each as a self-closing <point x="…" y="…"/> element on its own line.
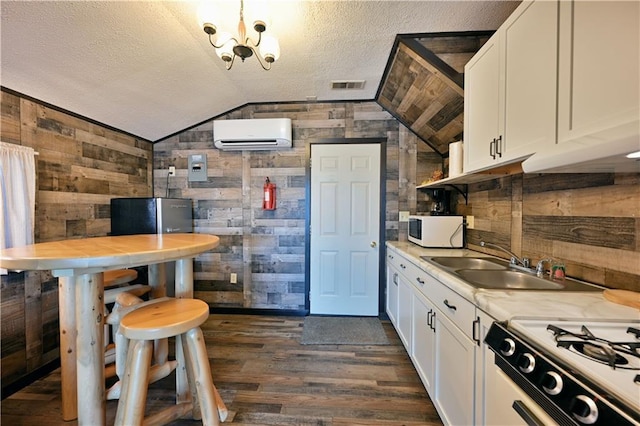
<point x="590" y="222"/>
<point x="81" y="165"/>
<point x="266" y="248"/>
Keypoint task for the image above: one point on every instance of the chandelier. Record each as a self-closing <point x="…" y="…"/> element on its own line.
<point x="266" y="49"/>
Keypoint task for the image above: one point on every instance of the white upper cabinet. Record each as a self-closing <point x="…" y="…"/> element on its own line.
<point x="599" y="74"/>
<point x="482" y="106"/>
<point x="559" y="83"/>
<point x="510" y="88"/>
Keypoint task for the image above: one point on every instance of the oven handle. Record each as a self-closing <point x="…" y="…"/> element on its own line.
<point x="526" y="414"/>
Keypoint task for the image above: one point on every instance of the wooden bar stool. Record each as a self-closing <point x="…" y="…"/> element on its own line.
<point x="125" y="303"/>
<point x="116" y="282"/>
<point x="119" y="277"/>
<point x="167" y="318"/>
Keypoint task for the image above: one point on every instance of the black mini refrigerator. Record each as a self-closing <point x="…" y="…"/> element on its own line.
<point x="149" y="215"/>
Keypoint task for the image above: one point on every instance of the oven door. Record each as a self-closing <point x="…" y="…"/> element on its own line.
<point x="507" y="404"/>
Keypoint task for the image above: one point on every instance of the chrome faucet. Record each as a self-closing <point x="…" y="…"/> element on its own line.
<point x="515" y="260"/>
<point x="540" y="266"/>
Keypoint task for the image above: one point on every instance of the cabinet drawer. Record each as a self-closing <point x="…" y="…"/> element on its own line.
<point x="412" y="273"/>
<point x="459" y="310"/>
<point x="393" y="258"/>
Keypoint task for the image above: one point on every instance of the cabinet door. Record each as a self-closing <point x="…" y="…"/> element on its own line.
<point x="423" y="339"/>
<point x="530" y="45"/>
<point x="454" y="381"/>
<point x="405" y="307"/>
<point x="510" y="89"/>
<point x="393" y="276"/>
<point x="481" y="105"/>
<point x="599" y="68"/>
<point x="484" y="366"/>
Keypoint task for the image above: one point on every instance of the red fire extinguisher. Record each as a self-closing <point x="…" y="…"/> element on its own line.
<point x="269" y="199"/>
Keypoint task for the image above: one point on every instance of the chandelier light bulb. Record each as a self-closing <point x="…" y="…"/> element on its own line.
<point x="269" y="48"/>
<point x="257" y="14"/>
<point x="207" y="14"/>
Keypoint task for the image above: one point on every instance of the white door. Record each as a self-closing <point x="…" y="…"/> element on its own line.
<point x="345" y="220"/>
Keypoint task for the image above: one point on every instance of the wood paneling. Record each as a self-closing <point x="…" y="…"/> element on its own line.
<point x="80" y="167"/>
<point x="588" y="221"/>
<point x="422" y="84"/>
<point x="266" y="377"/>
<point x="266" y="248"/>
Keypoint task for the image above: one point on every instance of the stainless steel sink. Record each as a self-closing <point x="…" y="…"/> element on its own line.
<point x="498" y="274"/>
<point x="515" y="280"/>
<point x="467" y="262"/>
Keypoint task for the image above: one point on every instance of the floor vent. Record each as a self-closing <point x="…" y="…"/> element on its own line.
<point x="347" y="84"/>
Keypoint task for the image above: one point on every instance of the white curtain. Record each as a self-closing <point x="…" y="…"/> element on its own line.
<point x="17" y="196"/>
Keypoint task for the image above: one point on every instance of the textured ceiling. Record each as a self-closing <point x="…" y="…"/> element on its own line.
<point x="147" y="67"/>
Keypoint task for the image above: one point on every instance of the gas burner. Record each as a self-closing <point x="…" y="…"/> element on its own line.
<point x="586" y="344"/>
<point x="597" y="352"/>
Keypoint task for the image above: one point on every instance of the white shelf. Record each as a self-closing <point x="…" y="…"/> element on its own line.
<point x="474" y="177"/>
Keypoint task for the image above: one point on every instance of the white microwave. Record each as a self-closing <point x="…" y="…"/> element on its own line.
<point x="436" y="231"/>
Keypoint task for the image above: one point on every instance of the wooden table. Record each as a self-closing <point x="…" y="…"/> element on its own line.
<point x="79" y="265"/>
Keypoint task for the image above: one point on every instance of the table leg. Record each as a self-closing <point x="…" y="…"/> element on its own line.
<point x="184" y="289"/>
<point x="67" y="315"/>
<point x="184" y="278"/>
<point x="158" y="280"/>
<point x="90" y="352"/>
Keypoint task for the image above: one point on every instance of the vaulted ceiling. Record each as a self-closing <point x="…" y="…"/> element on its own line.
<point x="146" y="67"/>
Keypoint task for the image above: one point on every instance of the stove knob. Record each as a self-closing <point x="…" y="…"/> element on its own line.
<point x="526" y="362"/>
<point x="507" y="347"/>
<point x="584" y="409"/>
<point x="552" y="383"/>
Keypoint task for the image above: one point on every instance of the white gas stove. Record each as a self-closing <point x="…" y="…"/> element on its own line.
<point x="585" y="371"/>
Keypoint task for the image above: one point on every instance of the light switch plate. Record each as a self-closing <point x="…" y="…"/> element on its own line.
<point x="233" y="279"/>
<point x="404" y="216"/>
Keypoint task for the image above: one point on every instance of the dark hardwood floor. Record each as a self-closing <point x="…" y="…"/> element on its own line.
<point x="266" y="377"/>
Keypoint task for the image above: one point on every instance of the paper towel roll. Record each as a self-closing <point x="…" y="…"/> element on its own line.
<point x="455" y="158"/>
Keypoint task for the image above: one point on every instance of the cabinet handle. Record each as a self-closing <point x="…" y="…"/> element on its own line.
<point x="429" y="318"/>
<point x="452" y="307"/>
<point x="395" y="278"/>
<point x="526" y="414"/>
<point x="390" y="256"/>
<point x="420" y="281"/>
<point x="499" y="146"/>
<point x="403" y="266"/>
<point x="492" y="147"/>
<point x="475" y="326"/>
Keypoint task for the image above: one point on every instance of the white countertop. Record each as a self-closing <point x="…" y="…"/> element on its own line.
<point x="509" y="304"/>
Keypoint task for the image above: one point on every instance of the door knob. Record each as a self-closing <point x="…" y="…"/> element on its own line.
<point x="373" y="244"/>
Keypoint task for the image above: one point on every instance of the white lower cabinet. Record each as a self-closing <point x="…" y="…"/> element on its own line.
<point x="455" y="373"/>
<point x="424" y="340"/>
<point x="484" y="370"/>
<point x="393" y="276"/>
<point x="441" y="333"/>
<point x="405" y="304"/>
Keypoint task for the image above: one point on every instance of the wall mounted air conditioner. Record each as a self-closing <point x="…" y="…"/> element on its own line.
<point x="252" y="134"/>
